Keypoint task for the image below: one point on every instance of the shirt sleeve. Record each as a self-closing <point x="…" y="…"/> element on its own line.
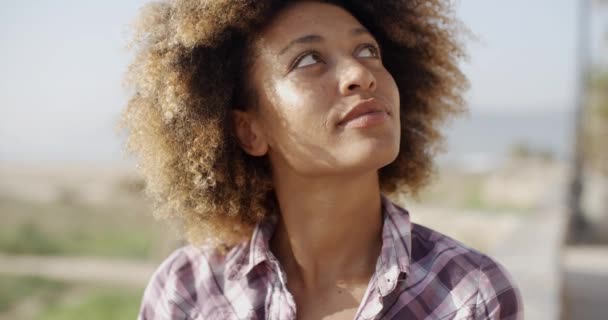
<point x="498" y="297"/>
<point x="161" y="299"/>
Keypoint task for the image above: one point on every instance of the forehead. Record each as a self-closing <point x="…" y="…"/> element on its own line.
<point x="303" y="18"/>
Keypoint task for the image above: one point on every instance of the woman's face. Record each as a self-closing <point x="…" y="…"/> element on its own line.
<point x="313" y="64"/>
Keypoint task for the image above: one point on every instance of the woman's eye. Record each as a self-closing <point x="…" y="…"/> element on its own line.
<point x="369" y="52"/>
<point x="306" y="60"/>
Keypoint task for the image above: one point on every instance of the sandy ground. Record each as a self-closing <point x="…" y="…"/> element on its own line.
<point x="585" y="279"/>
<point x="81" y="270"/>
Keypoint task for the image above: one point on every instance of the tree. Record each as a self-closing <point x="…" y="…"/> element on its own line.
<point x="596" y="124"/>
<point x="578" y="226"/>
<point x="591" y="136"/>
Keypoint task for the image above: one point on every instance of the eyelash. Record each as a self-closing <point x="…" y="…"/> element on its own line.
<point x="304" y="54"/>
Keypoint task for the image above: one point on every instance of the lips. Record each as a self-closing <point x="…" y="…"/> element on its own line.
<point x="371" y="105"/>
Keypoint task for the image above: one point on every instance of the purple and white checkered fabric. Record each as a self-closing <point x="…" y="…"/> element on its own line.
<point x="420" y="274"/>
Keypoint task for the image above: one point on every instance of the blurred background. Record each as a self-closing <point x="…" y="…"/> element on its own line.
<point x="524" y="177"/>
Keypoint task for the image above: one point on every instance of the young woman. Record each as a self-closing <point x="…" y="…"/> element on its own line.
<point x="274" y="132"/>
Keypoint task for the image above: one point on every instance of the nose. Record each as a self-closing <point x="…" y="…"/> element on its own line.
<point x="355" y="76"/>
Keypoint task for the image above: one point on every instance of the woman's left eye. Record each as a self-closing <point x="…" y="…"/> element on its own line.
<point x="373" y="51"/>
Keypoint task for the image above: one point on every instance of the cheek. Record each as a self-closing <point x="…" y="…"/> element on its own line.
<point x="294" y="116"/>
<point x="303" y="104"/>
<point x="391" y="92"/>
<point x="288" y="97"/>
<point x="391" y="85"/>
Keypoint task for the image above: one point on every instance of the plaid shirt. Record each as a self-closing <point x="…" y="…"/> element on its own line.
<point x="420" y="274"/>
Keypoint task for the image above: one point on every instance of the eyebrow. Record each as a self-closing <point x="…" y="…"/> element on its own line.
<point x="312" y="38"/>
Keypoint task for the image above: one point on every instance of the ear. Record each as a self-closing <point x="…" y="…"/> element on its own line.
<point x="249" y="134"/>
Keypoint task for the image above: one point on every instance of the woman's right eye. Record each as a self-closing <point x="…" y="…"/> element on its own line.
<point x="306" y="59"/>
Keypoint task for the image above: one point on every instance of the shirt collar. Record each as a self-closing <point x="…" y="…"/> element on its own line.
<point x="254" y="252"/>
<point x="394" y="257"/>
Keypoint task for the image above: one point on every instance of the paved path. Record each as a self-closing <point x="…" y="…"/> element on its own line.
<point x="532" y="256"/>
<point x="93" y="270"/>
<point x="586" y="283"/>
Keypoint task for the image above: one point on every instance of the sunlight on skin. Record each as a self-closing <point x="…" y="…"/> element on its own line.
<point x="325" y="172"/>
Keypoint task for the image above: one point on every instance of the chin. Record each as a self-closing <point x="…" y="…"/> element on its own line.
<point x="372" y="156"/>
<point x="372" y="148"/>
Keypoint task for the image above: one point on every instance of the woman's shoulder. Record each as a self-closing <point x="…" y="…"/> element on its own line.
<point x="432" y="249"/>
<point x="427" y="242"/>
<point x="466" y="271"/>
<point x="179" y="281"/>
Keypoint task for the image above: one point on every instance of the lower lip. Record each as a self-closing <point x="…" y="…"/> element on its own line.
<point x="367" y="120"/>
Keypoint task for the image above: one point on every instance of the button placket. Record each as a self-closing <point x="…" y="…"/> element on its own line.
<point x="280" y="297"/>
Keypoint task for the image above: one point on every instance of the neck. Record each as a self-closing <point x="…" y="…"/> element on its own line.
<point x="330" y="229"/>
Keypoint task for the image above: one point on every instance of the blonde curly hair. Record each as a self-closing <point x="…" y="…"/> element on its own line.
<point x="187" y="75"/>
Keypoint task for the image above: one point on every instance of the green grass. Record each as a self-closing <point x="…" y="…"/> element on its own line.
<point x="100" y="305"/>
<point x="29" y="237"/>
<point x="55" y="300"/>
<point x="69" y="228"/>
<point x="16" y="289"/>
<point x="465" y="191"/>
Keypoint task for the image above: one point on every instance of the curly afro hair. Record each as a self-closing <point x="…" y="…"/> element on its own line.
<point x="187" y="75"/>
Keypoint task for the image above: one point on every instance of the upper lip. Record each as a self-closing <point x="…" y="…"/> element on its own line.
<point x="363" y="107"/>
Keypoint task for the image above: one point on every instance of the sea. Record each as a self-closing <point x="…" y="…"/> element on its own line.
<point x="480" y="139"/>
<point x="487" y="138"/>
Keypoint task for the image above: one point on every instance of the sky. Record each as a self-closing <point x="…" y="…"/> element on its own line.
<point x="62" y="63"/>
